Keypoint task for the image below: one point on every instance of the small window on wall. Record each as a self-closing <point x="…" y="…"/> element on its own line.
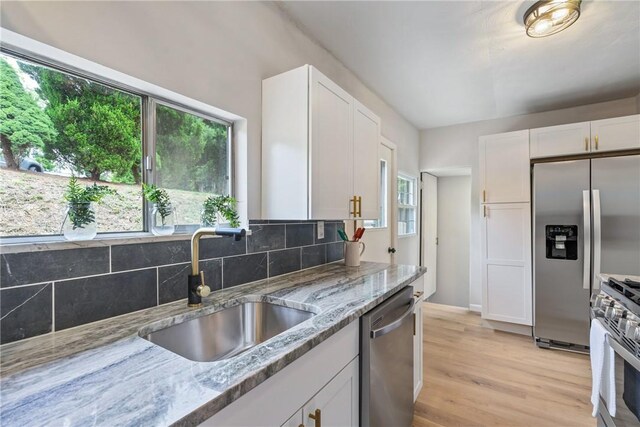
<point x="407" y="205"/>
<point x="381" y="222"/>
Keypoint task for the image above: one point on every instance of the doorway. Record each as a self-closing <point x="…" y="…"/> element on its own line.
<point x="380" y="237"/>
<point x="445" y="236"/>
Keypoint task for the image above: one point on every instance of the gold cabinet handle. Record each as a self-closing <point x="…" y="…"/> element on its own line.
<point x="354" y="212"/>
<point x="596" y="142"/>
<point x="360" y="206"/>
<point x="485" y="211"/>
<point x="586" y="144"/>
<point x="316" y="417"/>
<point x="484" y="195"/>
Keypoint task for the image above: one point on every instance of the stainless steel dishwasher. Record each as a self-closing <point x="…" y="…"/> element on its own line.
<point x="386" y="369"/>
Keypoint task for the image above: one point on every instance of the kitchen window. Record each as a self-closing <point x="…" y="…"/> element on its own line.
<point x="56" y="123"/>
<point x="381" y="222"/>
<point x="407" y="205"/>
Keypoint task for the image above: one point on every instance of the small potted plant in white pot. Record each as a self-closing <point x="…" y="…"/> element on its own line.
<point x="220" y="210"/>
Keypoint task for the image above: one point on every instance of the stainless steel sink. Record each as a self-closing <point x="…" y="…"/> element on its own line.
<point x="228" y="332"/>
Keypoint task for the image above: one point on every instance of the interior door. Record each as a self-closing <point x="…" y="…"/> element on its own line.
<point x="430" y="231"/>
<point x="380" y="233"/>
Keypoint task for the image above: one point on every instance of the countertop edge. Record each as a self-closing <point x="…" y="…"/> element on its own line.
<point x="235" y="392"/>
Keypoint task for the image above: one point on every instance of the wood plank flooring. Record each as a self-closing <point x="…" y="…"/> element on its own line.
<point x="474" y="376"/>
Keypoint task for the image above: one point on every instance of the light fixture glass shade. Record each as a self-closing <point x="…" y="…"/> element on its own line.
<point x="548" y="17"/>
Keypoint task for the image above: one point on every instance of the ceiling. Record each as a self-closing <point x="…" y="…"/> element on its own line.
<point x="445" y="62"/>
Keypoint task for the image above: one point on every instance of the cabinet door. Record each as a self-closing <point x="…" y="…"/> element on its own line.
<point x="331" y="151"/>
<point x="621" y="133"/>
<point x="296" y="420"/>
<point x="366" y="170"/>
<point x="338" y="402"/>
<point x="506" y="263"/>
<point x="504" y="167"/>
<point x="560" y="140"/>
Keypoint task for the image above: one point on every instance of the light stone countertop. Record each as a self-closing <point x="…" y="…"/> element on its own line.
<point x="104" y="373"/>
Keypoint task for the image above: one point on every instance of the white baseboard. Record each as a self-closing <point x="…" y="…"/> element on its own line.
<point x="476" y="308"/>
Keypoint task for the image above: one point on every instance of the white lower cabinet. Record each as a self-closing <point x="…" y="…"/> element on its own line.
<point x="337" y="404"/>
<point x="325" y="378"/>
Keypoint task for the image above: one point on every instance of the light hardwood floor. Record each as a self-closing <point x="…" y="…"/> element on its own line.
<point x="474" y="376"/>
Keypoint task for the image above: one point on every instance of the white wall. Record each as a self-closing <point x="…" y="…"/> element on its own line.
<point x="454" y="217"/>
<point x="215" y="52"/>
<point x="457" y="147"/>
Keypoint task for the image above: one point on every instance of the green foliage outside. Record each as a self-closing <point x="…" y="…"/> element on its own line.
<point x="98" y="127"/>
<point x="191" y="152"/>
<point x="160" y="198"/>
<point x="79" y="201"/>
<point x="23" y="123"/>
<point x="225" y="206"/>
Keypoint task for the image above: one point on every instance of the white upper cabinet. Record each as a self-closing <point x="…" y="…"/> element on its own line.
<point x="319" y="150"/>
<point x="621" y="133"/>
<point x="560" y="140"/>
<point x="331" y="161"/>
<point x="504" y="168"/>
<point x="366" y="179"/>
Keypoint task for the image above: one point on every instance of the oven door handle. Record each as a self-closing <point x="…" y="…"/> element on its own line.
<point x="396" y="323"/>
<point x="624" y="353"/>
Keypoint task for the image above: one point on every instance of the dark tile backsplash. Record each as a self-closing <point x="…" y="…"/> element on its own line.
<point x="244" y="269"/>
<point x="300" y="234"/>
<point x="45" y="266"/>
<point x="285" y="261"/>
<point x="49" y="290"/>
<point x="25" y="312"/>
<point x="86" y="300"/>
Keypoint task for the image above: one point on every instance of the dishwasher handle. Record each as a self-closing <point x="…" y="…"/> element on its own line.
<point x="396" y="323"/>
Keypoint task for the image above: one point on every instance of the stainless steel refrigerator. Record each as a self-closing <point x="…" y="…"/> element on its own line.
<point x="586" y="222"/>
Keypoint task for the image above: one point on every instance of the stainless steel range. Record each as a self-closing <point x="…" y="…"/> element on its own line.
<point x="617" y="307"/>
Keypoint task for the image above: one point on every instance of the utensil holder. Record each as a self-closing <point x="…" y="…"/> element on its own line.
<point x="352" y="253"/>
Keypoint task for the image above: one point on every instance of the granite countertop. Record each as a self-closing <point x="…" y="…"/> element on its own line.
<point x="104" y="373"/>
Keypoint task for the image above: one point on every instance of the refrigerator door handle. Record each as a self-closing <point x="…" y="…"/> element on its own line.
<point x="586" y="213"/>
<point x="597" y="236"/>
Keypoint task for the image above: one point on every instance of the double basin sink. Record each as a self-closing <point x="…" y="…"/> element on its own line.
<point x="228" y="332"/>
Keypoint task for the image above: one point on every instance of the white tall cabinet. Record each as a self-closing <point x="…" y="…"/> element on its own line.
<point x="319" y="150"/>
<point x="505" y="198"/>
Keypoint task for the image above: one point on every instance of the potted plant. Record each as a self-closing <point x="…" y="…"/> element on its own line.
<point x="163" y="215"/>
<point x="218" y="209"/>
<point x="80" y="219"/>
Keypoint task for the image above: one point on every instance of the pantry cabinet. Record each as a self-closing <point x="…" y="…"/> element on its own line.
<point x="504" y="168"/>
<point x="620" y="133"/>
<point x="319" y="150"/>
<point x="506" y="263"/>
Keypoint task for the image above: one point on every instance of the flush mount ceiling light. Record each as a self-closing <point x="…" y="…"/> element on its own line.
<point x="548" y="17"/>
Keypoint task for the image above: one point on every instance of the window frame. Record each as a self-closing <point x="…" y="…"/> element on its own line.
<point x="29" y="50"/>
<point x="383" y="199"/>
<point x="414" y="206"/>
